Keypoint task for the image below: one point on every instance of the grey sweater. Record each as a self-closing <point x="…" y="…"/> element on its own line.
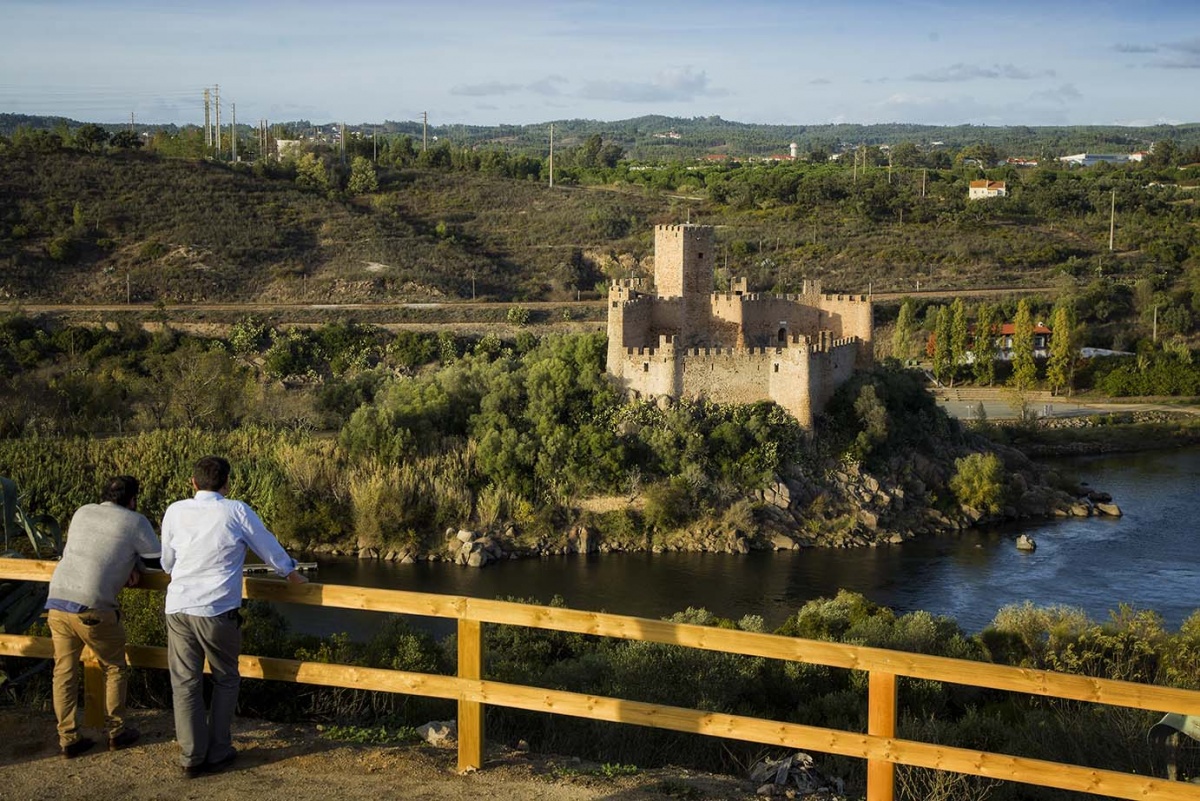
<point x="104" y="542"/>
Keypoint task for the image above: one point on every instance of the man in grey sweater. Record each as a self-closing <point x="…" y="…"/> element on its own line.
<point x="104" y="543"/>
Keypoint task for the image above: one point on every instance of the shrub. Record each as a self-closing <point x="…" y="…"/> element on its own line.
<point x="978" y="481"/>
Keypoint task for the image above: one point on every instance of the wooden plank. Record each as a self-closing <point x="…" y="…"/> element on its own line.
<point x="788" y="735"/>
<point x="470" y="713"/>
<point x="978" y="674"/>
<point x="881" y="722"/>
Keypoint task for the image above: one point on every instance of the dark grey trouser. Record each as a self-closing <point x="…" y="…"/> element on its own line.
<point x="204" y="735"/>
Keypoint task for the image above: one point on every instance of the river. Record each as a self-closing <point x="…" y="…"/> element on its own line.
<point x="1148" y="558"/>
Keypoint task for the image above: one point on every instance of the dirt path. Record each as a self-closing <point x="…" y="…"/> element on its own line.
<point x="284" y="762"/>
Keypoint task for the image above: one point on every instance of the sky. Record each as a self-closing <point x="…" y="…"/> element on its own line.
<point x="1003" y="62"/>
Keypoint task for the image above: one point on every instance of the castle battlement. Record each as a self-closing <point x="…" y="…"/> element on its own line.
<point x="731" y="346"/>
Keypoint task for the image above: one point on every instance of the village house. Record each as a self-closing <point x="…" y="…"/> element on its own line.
<point x="983" y="188"/>
<point x="679" y="339"/>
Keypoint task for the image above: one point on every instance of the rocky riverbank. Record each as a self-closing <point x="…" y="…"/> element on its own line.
<point x="847" y="506"/>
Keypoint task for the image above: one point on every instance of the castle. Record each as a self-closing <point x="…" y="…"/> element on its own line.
<point x="731" y="347"/>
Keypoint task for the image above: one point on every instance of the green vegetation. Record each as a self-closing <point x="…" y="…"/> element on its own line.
<point x="1132" y="645"/>
<point x="82" y="219"/>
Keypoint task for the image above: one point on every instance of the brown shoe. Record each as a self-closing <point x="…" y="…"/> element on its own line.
<point x="80" y="746"/>
<point x="124" y="738"/>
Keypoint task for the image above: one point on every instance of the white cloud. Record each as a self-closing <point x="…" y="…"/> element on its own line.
<point x="671" y="86"/>
<point x="970" y="72"/>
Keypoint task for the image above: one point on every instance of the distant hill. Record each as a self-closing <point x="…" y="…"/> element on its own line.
<point x="656" y="137"/>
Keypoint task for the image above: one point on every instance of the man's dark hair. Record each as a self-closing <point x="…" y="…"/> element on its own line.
<point x="211" y="473"/>
<point x="120" y="490"/>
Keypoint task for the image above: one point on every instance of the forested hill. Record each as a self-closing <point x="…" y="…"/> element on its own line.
<point x="656" y="137"/>
<point x="105" y="218"/>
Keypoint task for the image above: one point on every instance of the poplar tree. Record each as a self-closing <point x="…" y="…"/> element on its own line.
<point x="902" y="338"/>
<point x="985" y="344"/>
<point x="941" y="345"/>
<point x="1024" y="375"/>
<point x="1059" y="369"/>
<point x="958" y="335"/>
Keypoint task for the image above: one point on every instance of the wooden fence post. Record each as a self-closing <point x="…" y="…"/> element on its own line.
<point x="93" y="690"/>
<point x="881" y="722"/>
<point x="470" y="713"/>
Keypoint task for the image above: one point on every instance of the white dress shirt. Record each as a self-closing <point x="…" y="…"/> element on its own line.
<point x="204" y="542"/>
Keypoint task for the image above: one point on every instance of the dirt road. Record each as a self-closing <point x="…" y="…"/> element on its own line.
<point x="283" y="762"/>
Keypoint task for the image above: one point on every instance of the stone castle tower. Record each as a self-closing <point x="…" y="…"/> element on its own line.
<point x="684" y="340"/>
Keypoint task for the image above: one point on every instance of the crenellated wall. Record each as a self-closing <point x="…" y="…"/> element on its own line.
<point x="733" y="347"/>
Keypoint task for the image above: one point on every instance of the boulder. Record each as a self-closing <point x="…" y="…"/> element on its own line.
<point x="1026" y="543"/>
<point x="1110" y="509"/>
<point x="439" y="732"/>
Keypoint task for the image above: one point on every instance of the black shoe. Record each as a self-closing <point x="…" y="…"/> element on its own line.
<point x="221" y="764"/>
<point x="80" y="746"/>
<point x="192" y="771"/>
<point x="125" y="738"/>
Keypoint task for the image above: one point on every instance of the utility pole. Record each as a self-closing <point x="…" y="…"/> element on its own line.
<point x="217" y="127"/>
<point x="923" y="171"/>
<point x="1155" y="336"/>
<point x="342" y="129"/>
<point x="424" y="131"/>
<point x="207" y="120"/>
<point x="889" y="166"/>
<point x="233" y="133"/>
<point x="551" y="155"/>
<point x="374" y="144"/>
<point x="131" y="122"/>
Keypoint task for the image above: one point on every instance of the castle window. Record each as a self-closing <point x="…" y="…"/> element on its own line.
<point x="700" y="255"/>
<point x="777" y="368"/>
<point x="783" y="335"/>
<point x="645" y="367"/>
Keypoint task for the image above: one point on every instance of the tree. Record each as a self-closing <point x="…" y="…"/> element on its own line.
<point x="1024" y="374"/>
<point x="905" y="154"/>
<point x="978" y="481"/>
<point x="362" y="177"/>
<point x="126" y="140"/>
<point x="985" y="344"/>
<point x="902" y="338"/>
<point x="311" y="172"/>
<point x="942" y="365"/>
<point x="958" y="334"/>
<point x="90" y="137"/>
<point x="1060" y="369"/>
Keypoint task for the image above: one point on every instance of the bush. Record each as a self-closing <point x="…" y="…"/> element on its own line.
<point x="978" y="481"/>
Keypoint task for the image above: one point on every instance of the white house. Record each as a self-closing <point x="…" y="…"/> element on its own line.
<point x="984" y="188"/>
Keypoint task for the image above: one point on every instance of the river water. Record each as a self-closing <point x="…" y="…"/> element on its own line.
<point x="1148" y="559"/>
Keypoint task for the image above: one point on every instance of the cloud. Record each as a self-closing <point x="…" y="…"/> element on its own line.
<point x="485" y="89"/>
<point x="671" y="86"/>
<point x="820" y="82"/>
<point x="1059" y="96"/>
<point x="548" y="86"/>
<point x="1186" y="56"/>
<point x="1135" y="48"/>
<point x="970" y="72"/>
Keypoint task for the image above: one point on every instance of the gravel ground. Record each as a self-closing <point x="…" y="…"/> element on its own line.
<point x="285" y="762"/>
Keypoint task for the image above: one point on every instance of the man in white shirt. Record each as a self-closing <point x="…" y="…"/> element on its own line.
<point x="204" y="542"/>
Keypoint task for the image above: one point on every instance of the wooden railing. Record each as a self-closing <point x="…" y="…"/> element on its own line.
<point x="878" y="745"/>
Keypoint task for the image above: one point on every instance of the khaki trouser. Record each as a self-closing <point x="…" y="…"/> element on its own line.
<point x="106" y="637"/>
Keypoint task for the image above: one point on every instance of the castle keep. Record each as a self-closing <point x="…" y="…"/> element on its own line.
<point x="684" y="340"/>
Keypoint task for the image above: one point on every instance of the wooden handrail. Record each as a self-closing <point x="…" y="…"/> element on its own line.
<point x="878" y="746"/>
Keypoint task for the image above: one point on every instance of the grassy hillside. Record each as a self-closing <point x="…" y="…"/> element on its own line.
<point x="104" y="227"/>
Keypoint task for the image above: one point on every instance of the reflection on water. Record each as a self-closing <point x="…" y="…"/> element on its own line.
<point x="1147" y="559"/>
